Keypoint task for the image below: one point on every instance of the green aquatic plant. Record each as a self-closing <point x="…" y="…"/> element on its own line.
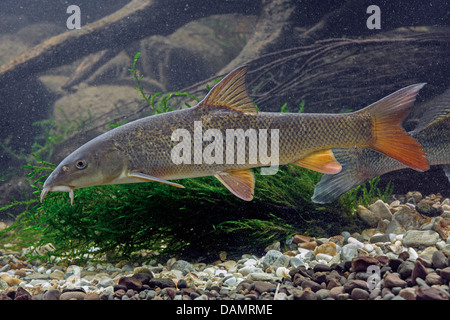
<point x="161" y="104"/>
<point x="366" y="194"/>
<point x="201" y="219"/>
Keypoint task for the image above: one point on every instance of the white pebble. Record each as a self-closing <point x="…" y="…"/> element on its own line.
<point x="250" y="262"/>
<point x="355" y="241"/>
<point x="399" y="237"/>
<point x="210" y="271"/>
<point x="282" y="272"/>
<point x="323" y="256"/>
<point x="220" y="272"/>
<point x="440" y="244"/>
<point x="40" y="269"/>
<point x="230" y="282"/>
<point x="392" y="236"/>
<point x="391" y="255"/>
<point x="412" y="254"/>
<point x="368" y="247"/>
<point x="296" y="261"/>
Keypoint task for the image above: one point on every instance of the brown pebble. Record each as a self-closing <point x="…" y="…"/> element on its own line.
<point x="22" y="294"/>
<point x="363" y="262"/>
<point x="92" y="296"/>
<point x="336" y="291"/>
<point x="352" y="284"/>
<point x="298" y="238"/>
<point x="433" y="279"/>
<point x="308" y="245"/>
<point x="131" y="283"/>
<point x="429" y="293"/>
<point x="408" y="293"/>
<point x="307" y="294"/>
<point x="391" y="280"/>
<point x="419" y="271"/>
<point x="359" y="294"/>
<point x="72" y="295"/>
<point x="445" y="273"/>
<point x="404" y="255"/>
<point x="312" y="285"/>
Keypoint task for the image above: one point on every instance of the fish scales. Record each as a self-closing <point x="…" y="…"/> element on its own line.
<point x="361" y="164"/>
<point x="148" y="142"/>
<point x="194" y="142"/>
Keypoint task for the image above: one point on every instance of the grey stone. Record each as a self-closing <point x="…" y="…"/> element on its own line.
<point x="346" y="235"/>
<point x="416" y="238"/>
<point x="296" y="262"/>
<point x="270" y="257"/>
<point x="3" y="285"/>
<point x="349" y="251"/>
<point x="282" y="261"/>
<point x="367" y="216"/>
<point x="52" y="294"/>
<point x="394" y="227"/>
<point x="379" y="238"/>
<point x="322" y="294"/>
<point x="381" y="209"/>
<point x="405" y="269"/>
<point x="439" y="260"/>
<point x="72" y="295"/>
<point x="183" y="266"/>
<point x="359" y="294"/>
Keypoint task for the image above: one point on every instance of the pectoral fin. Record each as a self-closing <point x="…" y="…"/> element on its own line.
<point x="240" y="182"/>
<point x="146" y="177"/>
<point x="322" y="161"/>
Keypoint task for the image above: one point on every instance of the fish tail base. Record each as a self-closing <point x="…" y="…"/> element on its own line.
<point x="388" y="135"/>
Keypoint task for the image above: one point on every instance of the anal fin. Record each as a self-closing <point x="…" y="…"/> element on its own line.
<point x="321" y="161"/>
<point x="146" y="177"/>
<point x="240" y="182"/>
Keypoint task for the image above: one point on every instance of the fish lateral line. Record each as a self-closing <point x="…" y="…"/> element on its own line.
<point x="384" y="118"/>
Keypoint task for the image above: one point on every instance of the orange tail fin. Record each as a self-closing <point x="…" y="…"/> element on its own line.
<point x="389" y="137"/>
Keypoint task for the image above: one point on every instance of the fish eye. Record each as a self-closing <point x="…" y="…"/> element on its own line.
<point x="81" y="164"/>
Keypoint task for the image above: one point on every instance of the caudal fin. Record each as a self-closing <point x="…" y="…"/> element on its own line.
<point x="389" y="137"/>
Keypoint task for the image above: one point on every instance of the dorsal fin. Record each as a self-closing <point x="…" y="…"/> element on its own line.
<point x="231" y="93"/>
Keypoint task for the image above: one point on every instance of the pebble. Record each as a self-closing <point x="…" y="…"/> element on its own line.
<point x="328" y="248"/>
<point x="359" y="294"/>
<point x="400" y="265"/>
<point x="72" y="295"/>
<point x="369" y="217"/>
<point x="439" y="260"/>
<point x="391" y="280"/>
<point x="349" y="251"/>
<point x="417" y="238"/>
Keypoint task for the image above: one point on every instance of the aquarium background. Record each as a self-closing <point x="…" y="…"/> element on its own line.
<point x="60" y="88"/>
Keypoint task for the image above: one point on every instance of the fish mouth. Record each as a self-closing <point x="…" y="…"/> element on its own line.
<point x="58" y="188"/>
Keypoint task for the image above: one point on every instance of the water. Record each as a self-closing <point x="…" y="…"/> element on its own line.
<point x="53" y="104"/>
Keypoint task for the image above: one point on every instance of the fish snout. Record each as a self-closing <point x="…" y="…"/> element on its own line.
<point x="47" y="189"/>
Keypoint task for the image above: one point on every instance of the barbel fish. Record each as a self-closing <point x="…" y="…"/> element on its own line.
<point x="161" y="148"/>
<point x="360" y="164"/>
